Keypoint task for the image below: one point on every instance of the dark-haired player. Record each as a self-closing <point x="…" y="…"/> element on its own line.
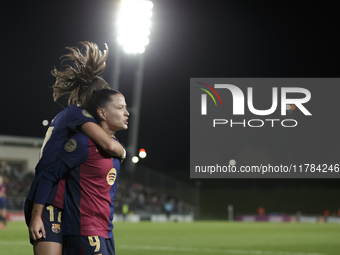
<point x="79" y="82"/>
<point x="91" y="181"/>
<point x="3" y="204"/>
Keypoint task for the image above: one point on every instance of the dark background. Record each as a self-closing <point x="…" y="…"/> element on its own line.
<point x="188" y="39"/>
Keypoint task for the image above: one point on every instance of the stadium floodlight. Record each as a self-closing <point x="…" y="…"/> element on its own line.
<point x="45" y="123"/>
<point x="133" y="25"/>
<point x="135" y="159"/>
<point x="142" y="153"/>
<point x="134" y="22"/>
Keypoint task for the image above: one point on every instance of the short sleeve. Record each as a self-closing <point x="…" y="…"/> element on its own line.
<point x="75" y="151"/>
<point x="76" y="117"/>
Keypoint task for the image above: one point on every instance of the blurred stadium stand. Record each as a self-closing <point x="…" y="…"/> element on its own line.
<point x="144" y="191"/>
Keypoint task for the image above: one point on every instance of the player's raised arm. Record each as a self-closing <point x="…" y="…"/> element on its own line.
<point x="98" y="135"/>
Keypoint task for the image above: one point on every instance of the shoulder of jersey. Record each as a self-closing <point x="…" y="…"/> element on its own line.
<point x="70" y="145"/>
<point x="83" y="111"/>
<point x="86" y="113"/>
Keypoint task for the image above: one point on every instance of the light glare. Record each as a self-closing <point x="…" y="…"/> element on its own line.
<point x="142" y="154"/>
<point x="135" y="159"/>
<point x="45" y="123"/>
<point x="134" y="25"/>
<point x="148" y="5"/>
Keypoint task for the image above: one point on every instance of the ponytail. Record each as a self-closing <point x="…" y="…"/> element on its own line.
<point x="81" y="80"/>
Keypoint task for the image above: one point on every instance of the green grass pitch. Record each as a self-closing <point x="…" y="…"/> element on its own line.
<point x="217" y="237"/>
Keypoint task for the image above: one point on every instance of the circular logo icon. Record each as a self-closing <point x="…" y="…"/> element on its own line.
<point x="87" y="114"/>
<point x="111" y="176"/>
<point x="71" y="145"/>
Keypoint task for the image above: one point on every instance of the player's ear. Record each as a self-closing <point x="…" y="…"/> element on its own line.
<point x="101" y="113"/>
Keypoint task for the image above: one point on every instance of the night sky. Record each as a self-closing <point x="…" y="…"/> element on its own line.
<point x="188" y="39"/>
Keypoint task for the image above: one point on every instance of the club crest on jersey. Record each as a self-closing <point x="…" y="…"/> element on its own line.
<point x="87" y="114"/>
<point x="56" y="228"/>
<point x="71" y="145"/>
<point x="111" y="176"/>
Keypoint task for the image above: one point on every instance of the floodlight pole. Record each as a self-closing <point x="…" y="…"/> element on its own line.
<point x="135" y="113"/>
<point x="127" y="18"/>
<point x="117" y="69"/>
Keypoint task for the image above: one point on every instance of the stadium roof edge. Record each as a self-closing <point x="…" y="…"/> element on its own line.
<point x="21" y="141"/>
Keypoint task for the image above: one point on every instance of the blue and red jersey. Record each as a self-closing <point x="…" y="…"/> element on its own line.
<point x="2" y="196"/>
<point x="63" y="126"/>
<point x="90" y="188"/>
<point x="3" y="190"/>
<point x="91" y="185"/>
